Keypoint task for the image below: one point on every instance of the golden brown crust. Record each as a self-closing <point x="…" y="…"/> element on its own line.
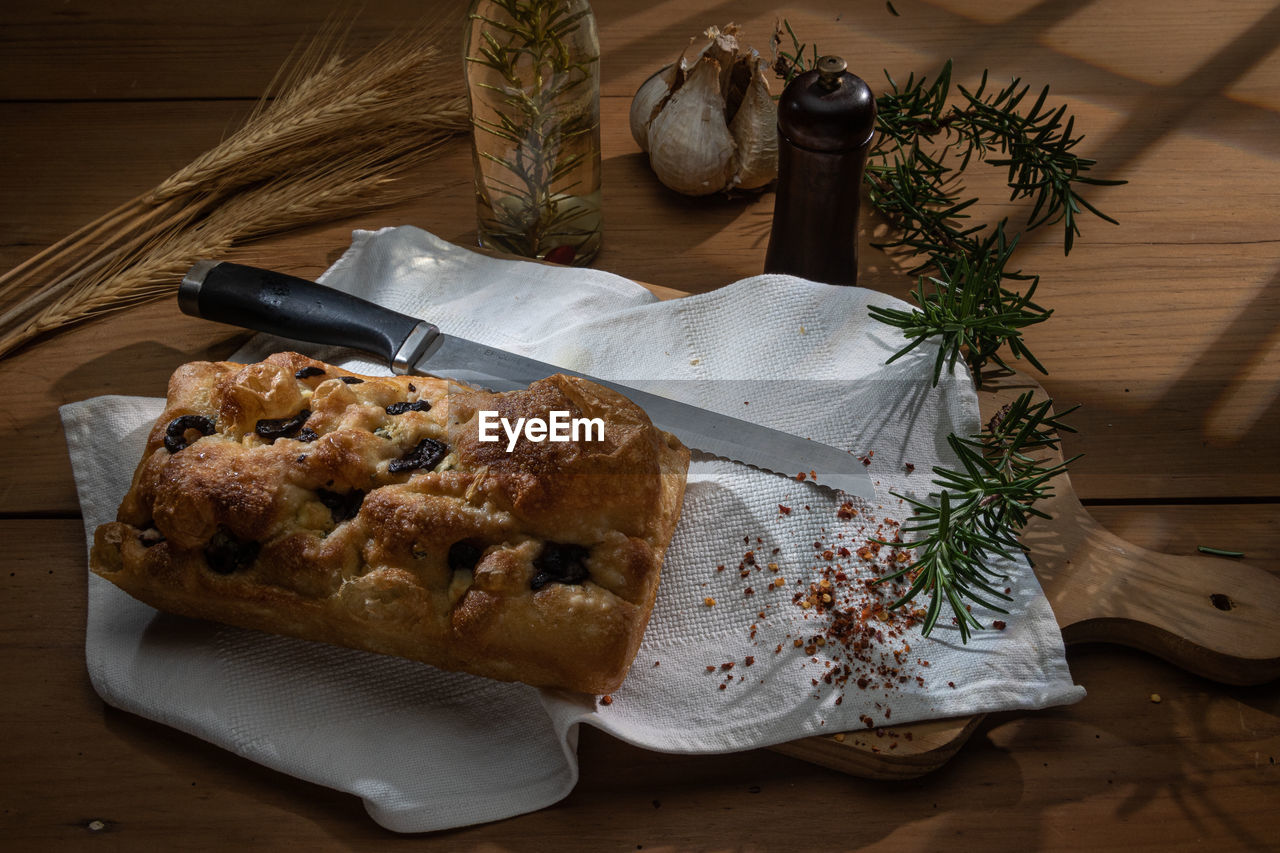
<point x="540" y="565"/>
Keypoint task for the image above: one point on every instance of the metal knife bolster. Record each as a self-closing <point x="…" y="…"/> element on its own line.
<point x="295" y="308"/>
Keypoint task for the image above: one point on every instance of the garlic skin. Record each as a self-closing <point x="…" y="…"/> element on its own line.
<point x="709" y="123"/>
<point x="650" y="95"/>
<point x="690" y="147"/>
<point x="755" y="129"/>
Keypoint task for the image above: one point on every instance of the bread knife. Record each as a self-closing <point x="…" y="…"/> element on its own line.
<point x="295" y="308"/>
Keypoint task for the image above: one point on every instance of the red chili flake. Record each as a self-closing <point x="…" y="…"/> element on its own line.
<point x="749" y="558"/>
<point x="657" y="663"/>
<point x="828" y="555"/>
<point x="999" y="625"/>
<point x="846" y="511"/>
<point x="711" y="668"/>
<point x="785" y="510"/>
<point x="606" y="700"/>
<point x="909" y="467"/>
<point x="867" y="721"/>
<point x="726" y="666"/>
<point x="749" y="660"/>
<point x="843" y="552"/>
<point x="722" y="686"/>
<point x="801" y="477"/>
<point x="748" y="591"/>
<point x="719" y="568"/>
<point x="561" y="255"/>
<point x="951" y="684"/>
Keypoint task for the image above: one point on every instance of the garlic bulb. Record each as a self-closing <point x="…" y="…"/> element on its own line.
<point x="708" y="122"/>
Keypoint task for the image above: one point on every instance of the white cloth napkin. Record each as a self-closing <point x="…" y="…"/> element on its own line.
<point x="429" y="750"/>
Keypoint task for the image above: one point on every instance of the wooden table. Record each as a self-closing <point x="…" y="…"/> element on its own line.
<point x="1167" y="329"/>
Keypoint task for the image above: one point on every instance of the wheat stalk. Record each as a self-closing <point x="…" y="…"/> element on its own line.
<point x="332" y="142"/>
<point x="271" y="206"/>
<point x="384" y="91"/>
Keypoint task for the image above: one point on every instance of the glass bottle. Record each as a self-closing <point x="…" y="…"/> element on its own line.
<point x="533" y="77"/>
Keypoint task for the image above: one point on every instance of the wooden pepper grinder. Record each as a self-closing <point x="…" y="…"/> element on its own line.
<point x="826" y="120"/>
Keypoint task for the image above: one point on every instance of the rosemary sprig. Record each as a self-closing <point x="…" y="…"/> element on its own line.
<point x="979" y="511"/>
<point x="926" y="139"/>
<point x="970" y="309"/>
<point x="913" y="174"/>
<point x="1036" y="146"/>
<point x="971" y="301"/>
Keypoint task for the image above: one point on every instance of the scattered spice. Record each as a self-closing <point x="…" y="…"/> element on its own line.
<point x="606" y="700"/>
<point x="849" y="636"/>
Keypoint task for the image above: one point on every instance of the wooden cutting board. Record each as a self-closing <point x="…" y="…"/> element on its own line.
<point x="1215" y="617"/>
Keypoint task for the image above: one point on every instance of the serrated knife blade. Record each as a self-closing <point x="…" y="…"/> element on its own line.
<point x="292" y="307"/>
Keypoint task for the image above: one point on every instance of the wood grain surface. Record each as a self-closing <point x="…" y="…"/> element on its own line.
<point x="1166" y="329"/>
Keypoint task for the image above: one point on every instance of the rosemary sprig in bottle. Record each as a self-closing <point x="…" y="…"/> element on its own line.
<point x="530" y="81"/>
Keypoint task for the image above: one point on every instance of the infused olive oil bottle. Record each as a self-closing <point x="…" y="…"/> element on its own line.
<point x="533" y="76"/>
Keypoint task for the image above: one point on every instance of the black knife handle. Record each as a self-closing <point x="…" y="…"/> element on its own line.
<point x="303" y="310"/>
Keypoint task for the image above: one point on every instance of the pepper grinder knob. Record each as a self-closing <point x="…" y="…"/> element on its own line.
<point x="829" y="70"/>
<point x="826" y="123"/>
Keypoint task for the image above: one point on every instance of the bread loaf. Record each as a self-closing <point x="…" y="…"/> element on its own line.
<point x="294" y="497"/>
